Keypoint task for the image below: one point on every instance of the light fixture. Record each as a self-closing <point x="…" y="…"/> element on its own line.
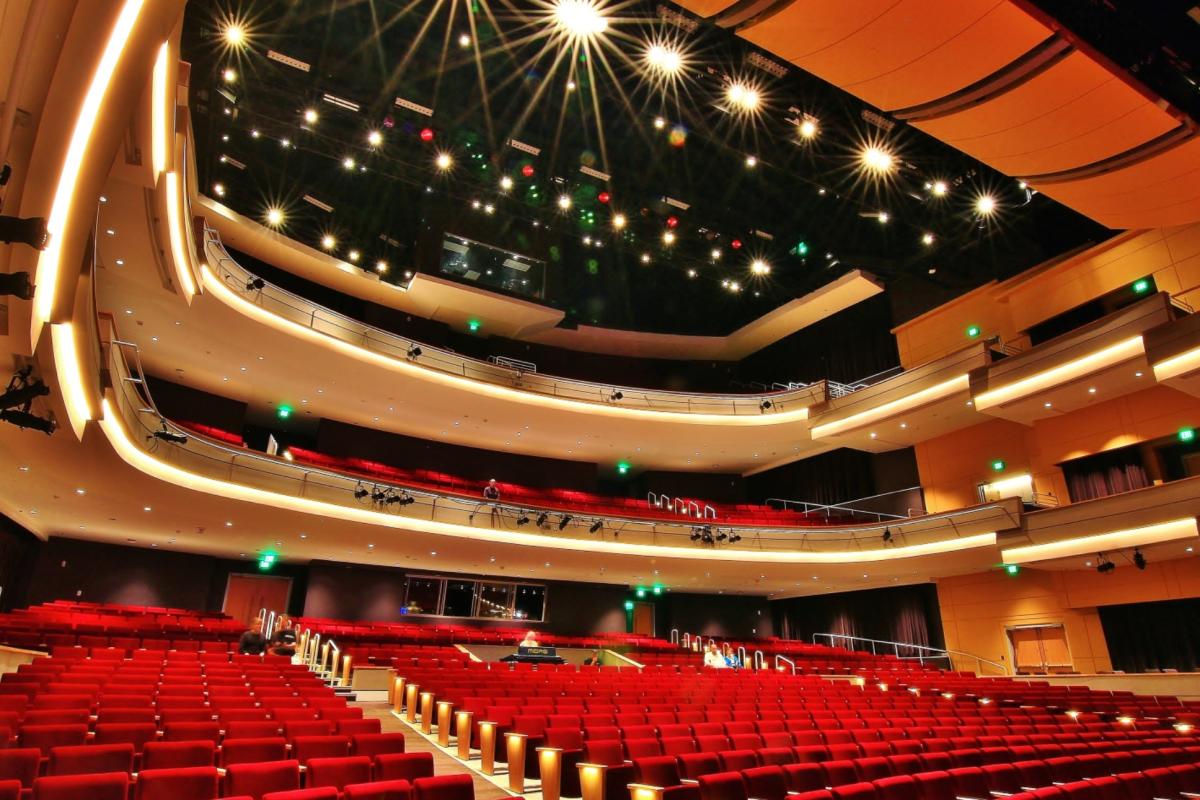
<point x="275" y="216"/>
<point x="665" y="59"/>
<point x="506" y="183"/>
<point x="234" y="35"/>
<point x="564" y="521"/>
<point x="219" y="189"/>
<point x="564" y="202"/>
<point x="875" y="158"/>
<point x="596" y="526"/>
<point x="1012" y="569"/>
<point x="464" y="40"/>
<point x="884" y="216"/>
<point x="808" y="127"/>
<point x="374" y="138"/>
<point x="579" y="19"/>
<point x="618" y="221"/>
<point x="751" y="162"/>
<point x="348" y="163"/>
<point x="659" y="123"/>
<point x="927" y="239"/>
<point x="939" y="189"/>
<point x="645" y="258"/>
<point x="310" y="116"/>
<point x="887" y="535"/>
<point x="760" y="267"/>
<point x="1139" y="560"/>
<point x="668" y="237"/>
<point x="443" y="161"/>
<point x="985" y="205"/>
<point x="381" y="267"/>
<point x="229" y="75"/>
<point x="743" y="97"/>
<point x="328" y="241"/>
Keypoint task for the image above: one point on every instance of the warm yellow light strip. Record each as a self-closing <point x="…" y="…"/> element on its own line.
<point x="1103" y="542"/>
<point x="218" y="288"/>
<point x="179" y="248"/>
<point x="129" y="451"/>
<point x="64" y="193"/>
<point x="1017" y="482"/>
<point x="890" y="409"/>
<point x="70" y="376"/>
<point x="1173" y="367"/>
<point x="159" y="111"/>
<point x="1063" y="373"/>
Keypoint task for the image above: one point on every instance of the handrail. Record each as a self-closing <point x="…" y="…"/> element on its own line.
<point x="686" y="640"/>
<point x="937" y="653"/>
<point x="760" y="660"/>
<point x="741" y="651"/>
<point x="297" y="309"/>
<point x="674" y="636"/>
<point x="845" y="505"/>
<point x="785" y="660"/>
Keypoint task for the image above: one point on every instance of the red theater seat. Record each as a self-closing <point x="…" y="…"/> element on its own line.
<point x="173" y="755"/>
<point x="179" y="783"/>
<point x="20" y="764"/>
<point x="101" y="786"/>
<point x="47" y="737"/>
<point x="10" y="790"/>
<point x="403" y="766"/>
<point x="248" y="751"/>
<point x="320" y="793"/>
<point x="722" y="786"/>
<point x="379" y="790"/>
<point x="84" y="759"/>
<point x="255" y="780"/>
<point x="373" y="744"/>
<point x="337" y="772"/>
<point x="444" y="787"/>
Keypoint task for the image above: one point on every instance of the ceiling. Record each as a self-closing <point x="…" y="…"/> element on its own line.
<point x="491" y="72"/>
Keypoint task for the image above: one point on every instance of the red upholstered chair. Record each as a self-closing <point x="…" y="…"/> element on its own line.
<point x="663" y="772"/>
<point x="320" y="793"/>
<point x="403" y="766"/>
<point x="898" y="787"/>
<point x="693" y="765"/>
<point x="337" y="772"/>
<point x="378" y="790"/>
<point x="191" y="732"/>
<point x="854" y="791"/>
<point x="21" y="765"/>
<point x="251" y="729"/>
<point x="47" y="737"/>
<point x="181" y="783"/>
<point x="444" y="787"/>
<point x="765" y="783"/>
<point x="306" y="747"/>
<point x="373" y="744"/>
<point x="839" y="772"/>
<point x="247" y="751"/>
<point x="173" y="755"/>
<point x="804" y="777"/>
<point x="256" y="780"/>
<point x="85" y="759"/>
<point x="10" y="790"/>
<point x="722" y="786"/>
<point x="355" y="727"/>
<point x="100" y="786"/>
<point x="734" y="760"/>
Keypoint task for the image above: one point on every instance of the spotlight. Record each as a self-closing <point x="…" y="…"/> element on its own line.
<point x="392" y="498"/>
<point x="381" y="267"/>
<point x="16" y="284"/>
<point x="695" y="537"/>
<point x="596" y="526"/>
<point x="407" y="499"/>
<point x="742" y="97"/>
<point x="377" y="494"/>
<point x="760" y="267"/>
<point x="734" y="538"/>
<point x="360" y="492"/>
<point x="579" y="19"/>
<point x="668" y="237"/>
<point x="24" y="230"/>
<point x="328" y="241"/>
<point x="1139" y="560"/>
<point x="617" y="395"/>
<point x="722" y="536"/>
<point x="876" y="159"/>
<point x="985" y="205"/>
<point x="23" y="419"/>
<point x="229" y="75"/>
<point x="374" y="138"/>
<point x="310" y="115"/>
<point x="618" y="221"/>
<point x="541" y="520"/>
<point x="348" y="163"/>
<point x="522" y="519"/>
<point x="808" y="127"/>
<point x="414" y="352"/>
<point x="165" y="435"/>
<point x="506" y="183"/>
<point x="887" y="535"/>
<point x="765" y="405"/>
<point x="255" y="285"/>
<point x="235" y="35"/>
<point x="1104" y="565"/>
<point x="274" y="217"/>
<point x="564" y="202"/>
<point x="443" y="161"/>
<point x="564" y="522"/>
<point x="21" y="391"/>
<point x="927" y="238"/>
<point x="939" y="189"/>
<point x="665" y="59"/>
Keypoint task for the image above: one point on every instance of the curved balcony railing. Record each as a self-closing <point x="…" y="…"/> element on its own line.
<point x="300" y="311"/>
<point x="199" y="455"/>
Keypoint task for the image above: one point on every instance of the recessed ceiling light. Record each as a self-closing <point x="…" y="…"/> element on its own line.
<point x="229" y="524"/>
<point x="147" y="508"/>
<point x="374" y="138"/>
<point x="81" y="491"/>
<point x="1047" y="405"/>
<point x="310" y="115"/>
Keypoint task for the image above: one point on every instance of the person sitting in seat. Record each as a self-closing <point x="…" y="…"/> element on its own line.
<point x="593" y="660"/>
<point x="713" y="657"/>
<point x="283" y="643"/>
<point x="530" y="640"/>
<point x="252" y="643"/>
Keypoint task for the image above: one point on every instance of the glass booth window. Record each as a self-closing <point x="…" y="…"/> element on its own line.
<point x="423" y="595"/>
<point x="529" y="602"/>
<point x="492" y="267"/>
<point x="460" y="598"/>
<point x="495" y="600"/>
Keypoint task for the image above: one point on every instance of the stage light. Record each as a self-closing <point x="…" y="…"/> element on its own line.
<point x="348" y="163"/>
<point x="564" y="202"/>
<point x="1139" y="560"/>
<point x="618" y="221"/>
<point x="234" y="35"/>
<point x="275" y="217"/>
<point x="668" y="238"/>
<point x="760" y="267"/>
<point x="579" y="19"/>
<point x="939" y="188"/>
<point x="374" y="138"/>
<point x="16" y="284"/>
<point x="876" y="159"/>
<point x="765" y="405"/>
<point x="381" y="267"/>
<point x="617" y="395"/>
<point x="645" y="258"/>
<point x="659" y="123"/>
<point x="522" y="519"/>
<point x="328" y="241"/>
<point x="808" y="127"/>
<point x="30" y="231"/>
<point x="24" y="419"/>
<point x="743" y="97"/>
<point x="887" y="535"/>
<point x="255" y="284"/>
<point x="564" y="521"/>
<point x="443" y="161"/>
<point x="229" y="75"/>
<point x="414" y="352"/>
<point x="596" y="526"/>
<point x="506" y="183"/>
<point x="985" y="204"/>
<point x="310" y="116"/>
<point x="665" y="59"/>
<point x="360" y="492"/>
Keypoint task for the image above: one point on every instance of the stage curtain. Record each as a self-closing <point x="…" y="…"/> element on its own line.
<point x="1153" y="636"/>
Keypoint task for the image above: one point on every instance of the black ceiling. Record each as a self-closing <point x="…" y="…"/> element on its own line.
<point x="508" y="78"/>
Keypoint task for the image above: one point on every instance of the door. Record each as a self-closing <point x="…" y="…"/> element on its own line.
<point x="246" y="595"/>
<point x="643" y="619"/>
<point x="1040" y="648"/>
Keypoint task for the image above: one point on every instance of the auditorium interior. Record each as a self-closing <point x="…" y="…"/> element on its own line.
<point x="599" y="400"/>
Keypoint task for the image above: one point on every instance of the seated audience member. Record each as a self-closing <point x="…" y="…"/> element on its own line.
<point x="530" y="640"/>
<point x="593" y="659"/>
<point x="713" y="657"/>
<point x="283" y="643"/>
<point x="252" y="643"/>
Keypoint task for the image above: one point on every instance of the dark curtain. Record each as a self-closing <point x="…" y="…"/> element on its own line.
<point x="908" y="614"/>
<point x="842" y="475"/>
<point x="1153" y="636"/>
<point x="18" y="551"/>
<point x="1105" y="474"/>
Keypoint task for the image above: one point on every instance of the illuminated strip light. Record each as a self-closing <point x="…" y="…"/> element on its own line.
<point x="763" y="235"/>
<point x="64" y="193"/>
<point x="295" y="63"/>
<point x="139" y="459"/>
<point x="1021" y="484"/>
<point x="517" y="144"/>
<point x="230" y="298"/>
<point x="411" y="106"/>
<point x="308" y="198"/>
<point x="162" y="133"/>
<point x="906" y="403"/>
<point x="1063" y="373"/>
<point x="340" y="102"/>
<point x="231" y="161"/>
<point x="1173" y="367"/>
<point x="70" y="378"/>
<point x="183" y="265"/>
<point x="1102" y="542"/>
<point x="682" y="206"/>
<point x="595" y="173"/>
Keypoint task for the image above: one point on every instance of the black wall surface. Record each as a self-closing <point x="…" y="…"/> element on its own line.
<point x="842" y="475"/>
<point x="18" y="553"/>
<point x="721" y="616"/>
<point x="907" y="614"/>
<point x="1153" y="636"/>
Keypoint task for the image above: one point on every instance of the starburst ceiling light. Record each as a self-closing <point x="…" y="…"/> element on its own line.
<point x="374" y="138"/>
<point x="234" y="35"/>
<point x="564" y="202"/>
<point x="985" y="204"/>
<point x="328" y="241"/>
<point x="443" y="161"/>
<point x="664" y="59"/>
<point x="743" y="97"/>
<point x="876" y="159"/>
<point x="808" y="128"/>
<point x="310" y="115"/>
<point x="939" y="188"/>
<point x="760" y="267"/>
<point x="618" y="221"/>
<point x="579" y="19"/>
<point x="275" y="216"/>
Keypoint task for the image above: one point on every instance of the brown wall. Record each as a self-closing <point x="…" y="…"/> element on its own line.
<point x="976" y="609"/>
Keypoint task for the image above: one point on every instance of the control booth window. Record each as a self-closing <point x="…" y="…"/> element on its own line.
<point x="460" y="599"/>
<point x="423" y="595"/>
<point x="529" y="602"/>
<point x="442" y="596"/>
<point x="495" y="600"/>
<point x="493" y="268"/>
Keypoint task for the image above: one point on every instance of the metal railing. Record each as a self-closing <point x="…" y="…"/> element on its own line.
<point x="907" y="651"/>
<point x="197" y="454"/>
<point x="842" y="389"/>
<point x="298" y="310"/>
<point x="846" y="507"/>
